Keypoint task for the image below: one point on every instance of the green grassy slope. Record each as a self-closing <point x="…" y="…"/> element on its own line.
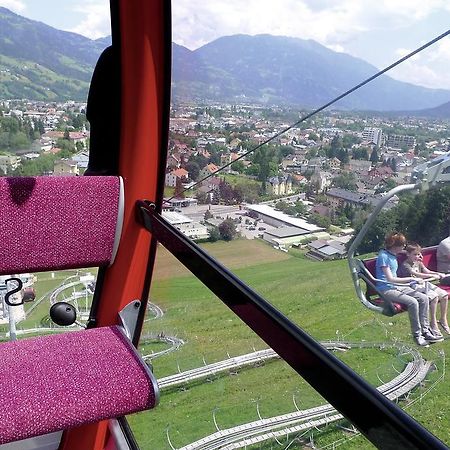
<point x="317" y="296"/>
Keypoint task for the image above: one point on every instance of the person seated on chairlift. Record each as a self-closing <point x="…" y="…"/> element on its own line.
<point x="399" y="290"/>
<point x="413" y="266"/>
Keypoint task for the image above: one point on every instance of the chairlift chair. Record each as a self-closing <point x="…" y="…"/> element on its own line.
<point x="425" y="176"/>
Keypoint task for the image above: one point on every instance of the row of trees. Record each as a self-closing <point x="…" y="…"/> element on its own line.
<point x="423" y="218"/>
<point x="16" y="134"/>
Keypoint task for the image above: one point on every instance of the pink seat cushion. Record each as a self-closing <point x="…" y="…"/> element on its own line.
<point x="57" y="222"/>
<point x="56" y="382"/>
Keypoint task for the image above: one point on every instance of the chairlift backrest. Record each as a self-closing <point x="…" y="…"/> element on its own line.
<point x="52" y="223"/>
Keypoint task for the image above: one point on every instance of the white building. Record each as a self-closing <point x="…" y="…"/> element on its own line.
<point x="191" y="229"/>
<point x="11" y="162"/>
<point x="373" y="135"/>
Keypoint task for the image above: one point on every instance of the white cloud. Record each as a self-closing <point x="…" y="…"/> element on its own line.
<point x="95" y="23"/>
<point x="429" y="69"/>
<point x="331" y="23"/>
<point x="14" y="5"/>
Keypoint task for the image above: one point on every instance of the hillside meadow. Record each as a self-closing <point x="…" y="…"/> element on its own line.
<point x="319" y="297"/>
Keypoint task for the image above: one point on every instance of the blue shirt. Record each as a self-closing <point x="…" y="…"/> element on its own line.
<point x="385" y="259"/>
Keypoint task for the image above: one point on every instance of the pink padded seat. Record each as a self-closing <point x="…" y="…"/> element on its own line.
<point x="56" y="382"/>
<point x="61" y="381"/>
<point x="53" y="223"/>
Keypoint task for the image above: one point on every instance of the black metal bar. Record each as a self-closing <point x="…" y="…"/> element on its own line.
<point x="385" y="424"/>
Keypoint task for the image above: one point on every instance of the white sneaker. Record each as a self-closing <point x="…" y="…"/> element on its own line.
<point x="420" y="340"/>
<point x="430" y="337"/>
<point x="436" y="333"/>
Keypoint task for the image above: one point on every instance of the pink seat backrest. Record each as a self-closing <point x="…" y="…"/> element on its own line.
<point x="429" y="257"/>
<point x="59" y="222"/>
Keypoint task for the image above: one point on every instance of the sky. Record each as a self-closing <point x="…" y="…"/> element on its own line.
<point x="378" y="31"/>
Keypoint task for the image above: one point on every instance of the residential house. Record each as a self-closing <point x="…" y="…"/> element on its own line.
<point x="384" y="172"/>
<point x="208" y="170"/>
<point x="299" y="179"/>
<point x="359" y="166"/>
<point x="280" y="185"/>
<point x="235" y="143"/>
<point x="65" y="167"/>
<point x="173" y="161"/>
<point x="326" y="250"/>
<point x="175" y="175"/>
<point x="321" y="180"/>
<point x="82" y="158"/>
<point x="9" y="162"/>
<point x="334" y="163"/>
<point x="227" y="158"/>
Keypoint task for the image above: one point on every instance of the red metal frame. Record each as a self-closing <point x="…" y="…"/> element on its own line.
<point x="145" y="48"/>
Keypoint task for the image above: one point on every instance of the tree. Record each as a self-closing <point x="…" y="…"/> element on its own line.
<point x="179" y="189"/>
<point x="226" y="192"/>
<point x="19" y="140"/>
<point x="321" y="221"/>
<point x="343" y="156"/>
<point x="346" y="180"/>
<point x="227" y="230"/>
<point x="267" y="159"/>
<point x="335" y="146"/>
<point x="65" y="144"/>
<point x="281" y="205"/>
<point x="203" y="197"/>
<point x="301" y="208"/>
<point x="360" y="153"/>
<point x="214" y="234"/>
<point x="200" y="160"/>
<point x="348" y="140"/>
<point x="238" y="166"/>
<point x="208" y="215"/>
<point x="423" y="218"/>
<point x="247" y="191"/>
<point x="374" y="156"/>
<point x="194" y="170"/>
<point x="393" y="164"/>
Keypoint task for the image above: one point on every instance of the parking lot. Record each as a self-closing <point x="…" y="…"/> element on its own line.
<point x="248" y="230"/>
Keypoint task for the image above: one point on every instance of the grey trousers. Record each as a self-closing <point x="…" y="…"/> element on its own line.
<point x="416" y="303"/>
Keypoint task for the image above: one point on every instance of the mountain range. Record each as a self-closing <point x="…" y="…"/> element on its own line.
<point x="41" y="62"/>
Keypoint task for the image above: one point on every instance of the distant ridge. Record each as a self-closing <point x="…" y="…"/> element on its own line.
<point x="276" y="69"/>
<point x="40" y="62"/>
<point x="441" y="112"/>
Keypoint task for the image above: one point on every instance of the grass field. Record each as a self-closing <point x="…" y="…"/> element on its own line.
<point x="318" y="296"/>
